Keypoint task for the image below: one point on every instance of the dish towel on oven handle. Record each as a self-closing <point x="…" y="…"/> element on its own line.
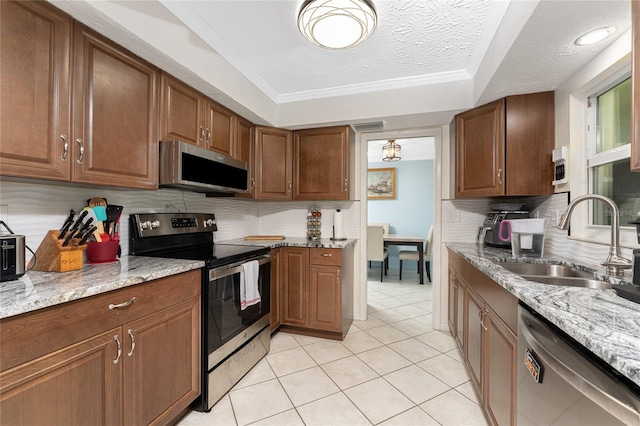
<point x="249" y="293"/>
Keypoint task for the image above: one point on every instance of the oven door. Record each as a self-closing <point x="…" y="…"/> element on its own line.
<point x="227" y="326"/>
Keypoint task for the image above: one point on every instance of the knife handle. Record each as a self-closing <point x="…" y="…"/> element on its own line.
<point x="87" y="234"/>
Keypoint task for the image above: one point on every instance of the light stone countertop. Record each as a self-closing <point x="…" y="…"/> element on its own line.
<point x="36" y="290"/>
<point x="606" y="324"/>
<point x="293" y="242"/>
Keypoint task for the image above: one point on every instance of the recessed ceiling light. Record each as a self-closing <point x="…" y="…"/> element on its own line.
<point x="595" y="36"/>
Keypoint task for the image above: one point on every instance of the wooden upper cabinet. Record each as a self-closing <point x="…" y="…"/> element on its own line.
<point x="35" y="123"/>
<point x="181" y="112"/>
<point x="272" y="163"/>
<point x="635" y="73"/>
<point x="219" y="129"/>
<point x="244" y="150"/>
<point x="321" y="163"/>
<point x="505" y="147"/>
<point x="115" y="114"/>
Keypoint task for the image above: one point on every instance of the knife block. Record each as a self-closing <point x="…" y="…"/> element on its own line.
<point x="52" y="257"/>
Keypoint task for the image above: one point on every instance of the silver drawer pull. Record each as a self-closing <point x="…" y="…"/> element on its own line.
<point x="133" y="342"/>
<point x="326" y="255"/>
<point x="123" y="304"/>
<point x="81" y="154"/>
<point x="65" y="147"/>
<point x="117" y="339"/>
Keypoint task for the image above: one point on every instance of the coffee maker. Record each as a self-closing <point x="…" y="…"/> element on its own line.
<point x="488" y="232"/>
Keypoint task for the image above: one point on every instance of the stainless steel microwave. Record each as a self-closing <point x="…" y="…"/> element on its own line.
<point x="189" y="167"/>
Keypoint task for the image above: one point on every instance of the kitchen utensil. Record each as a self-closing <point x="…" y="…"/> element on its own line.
<point x="76" y="226"/>
<point x="526" y="236"/>
<point x="113" y="216"/>
<point x="87" y="234"/>
<point x="101" y="215"/>
<point x="86" y="225"/>
<point x="67" y="223"/>
<point x="91" y="214"/>
<point x="97" y="201"/>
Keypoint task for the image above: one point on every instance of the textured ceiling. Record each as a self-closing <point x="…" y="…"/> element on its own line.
<point x="413" y="39"/>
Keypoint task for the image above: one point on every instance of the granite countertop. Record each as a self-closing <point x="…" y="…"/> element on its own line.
<point x="606" y="324"/>
<point x="293" y="242"/>
<point x="36" y="290"/>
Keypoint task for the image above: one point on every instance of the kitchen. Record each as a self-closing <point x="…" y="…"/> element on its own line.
<point x="263" y="217"/>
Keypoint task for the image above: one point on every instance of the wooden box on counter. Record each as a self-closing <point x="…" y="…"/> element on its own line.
<point x="51" y="256"/>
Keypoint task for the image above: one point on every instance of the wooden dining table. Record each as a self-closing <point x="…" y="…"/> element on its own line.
<point x="403" y="240"/>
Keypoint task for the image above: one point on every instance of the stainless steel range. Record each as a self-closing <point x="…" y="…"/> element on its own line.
<point x="235" y="293"/>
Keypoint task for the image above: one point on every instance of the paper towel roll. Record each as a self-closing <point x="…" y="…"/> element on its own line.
<point x="338" y="225"/>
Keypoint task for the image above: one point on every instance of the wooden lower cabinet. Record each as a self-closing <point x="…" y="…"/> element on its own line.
<point x="275" y="310"/>
<point x="317" y="294"/>
<point x="486" y="336"/>
<point x="141" y="368"/>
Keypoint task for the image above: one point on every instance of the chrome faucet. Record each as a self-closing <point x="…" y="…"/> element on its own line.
<point x="615" y="263"/>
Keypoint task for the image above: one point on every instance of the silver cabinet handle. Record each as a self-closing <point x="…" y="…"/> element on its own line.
<point x="201" y="134"/>
<point x="346" y="185"/>
<point x="499" y="176"/>
<point x="484" y="313"/>
<point x="289" y="186"/>
<point x="117" y="339"/>
<point x="253" y="183"/>
<point x="65" y="147"/>
<point x="208" y="136"/>
<point x="326" y="255"/>
<point x="123" y="304"/>
<point x="133" y="342"/>
<point x="81" y="156"/>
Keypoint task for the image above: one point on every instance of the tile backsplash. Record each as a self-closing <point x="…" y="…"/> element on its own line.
<point x="35" y="208"/>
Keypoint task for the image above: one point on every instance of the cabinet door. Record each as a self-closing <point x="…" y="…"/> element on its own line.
<point x="295" y="291"/>
<point x="35" y="121"/>
<point x="181" y="112"/>
<point x="219" y="129"/>
<point x="500" y="366"/>
<point x="321" y="163"/>
<point x="635" y="73"/>
<point x="474" y="329"/>
<point x="273" y="170"/>
<point x="461" y="312"/>
<point x="115" y="110"/>
<point x="530" y="139"/>
<point x="480" y="155"/>
<point x="244" y="151"/>
<point x="161" y="364"/>
<point x="325" y="298"/>
<point x="78" y="385"/>
<point x="275" y="317"/>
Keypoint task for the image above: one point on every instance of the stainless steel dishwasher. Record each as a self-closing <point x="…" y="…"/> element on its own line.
<point x="561" y="383"/>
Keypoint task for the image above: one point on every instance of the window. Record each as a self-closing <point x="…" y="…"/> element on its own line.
<point x="609" y="152"/>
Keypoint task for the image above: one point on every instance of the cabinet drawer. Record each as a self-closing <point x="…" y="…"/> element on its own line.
<point x="37" y="333"/>
<point x="322" y="256"/>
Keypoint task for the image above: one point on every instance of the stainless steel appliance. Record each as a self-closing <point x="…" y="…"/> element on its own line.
<point x="234" y="338"/>
<point x="560" y="382"/>
<point x="13" y="257"/>
<point x="488" y="232"/>
<point x="188" y="167"/>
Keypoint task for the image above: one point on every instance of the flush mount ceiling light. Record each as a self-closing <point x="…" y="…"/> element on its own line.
<point x="595" y="36"/>
<point x="337" y="24"/>
<point x="391" y="151"/>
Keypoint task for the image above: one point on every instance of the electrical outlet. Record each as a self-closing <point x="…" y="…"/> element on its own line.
<point x="453" y="216"/>
<point x="4" y="213"/>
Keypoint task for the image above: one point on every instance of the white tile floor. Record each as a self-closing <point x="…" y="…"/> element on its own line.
<point x="392" y="369"/>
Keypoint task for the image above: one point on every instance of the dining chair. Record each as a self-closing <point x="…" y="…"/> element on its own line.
<point x="376" y="251"/>
<point x="414" y="255"/>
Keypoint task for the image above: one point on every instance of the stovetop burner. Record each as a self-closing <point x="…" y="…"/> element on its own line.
<point x="184" y="236"/>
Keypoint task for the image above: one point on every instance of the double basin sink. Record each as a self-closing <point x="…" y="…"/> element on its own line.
<point x="555" y="275"/>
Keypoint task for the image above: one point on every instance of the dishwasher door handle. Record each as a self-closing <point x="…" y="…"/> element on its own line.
<point x="610" y="400"/>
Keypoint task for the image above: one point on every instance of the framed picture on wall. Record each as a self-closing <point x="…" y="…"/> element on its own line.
<point x="381" y="184"/>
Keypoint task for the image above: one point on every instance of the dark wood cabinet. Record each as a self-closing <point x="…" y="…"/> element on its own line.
<point x="181" y="112"/>
<point x="635" y="74"/>
<point x="112" y="99"/>
<point x="316" y="291"/>
<point x="143" y="359"/>
<point x="488" y="330"/>
<point x="505" y="147"/>
<point x="115" y="114"/>
<point x="273" y="163"/>
<point x="220" y="129"/>
<point x="244" y="151"/>
<point x="321" y="163"/>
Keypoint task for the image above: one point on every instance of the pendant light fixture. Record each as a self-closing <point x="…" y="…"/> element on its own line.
<point x="337" y="24"/>
<point x="391" y="151"/>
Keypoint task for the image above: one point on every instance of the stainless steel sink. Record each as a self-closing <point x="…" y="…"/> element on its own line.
<point x="544" y="270"/>
<point x="570" y="281"/>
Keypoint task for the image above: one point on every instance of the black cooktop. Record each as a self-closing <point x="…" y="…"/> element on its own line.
<point x="214" y="255"/>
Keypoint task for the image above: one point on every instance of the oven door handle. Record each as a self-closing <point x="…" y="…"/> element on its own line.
<point x="234" y="268"/>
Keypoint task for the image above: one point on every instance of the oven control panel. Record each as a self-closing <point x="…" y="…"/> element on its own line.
<point x="161" y="224"/>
